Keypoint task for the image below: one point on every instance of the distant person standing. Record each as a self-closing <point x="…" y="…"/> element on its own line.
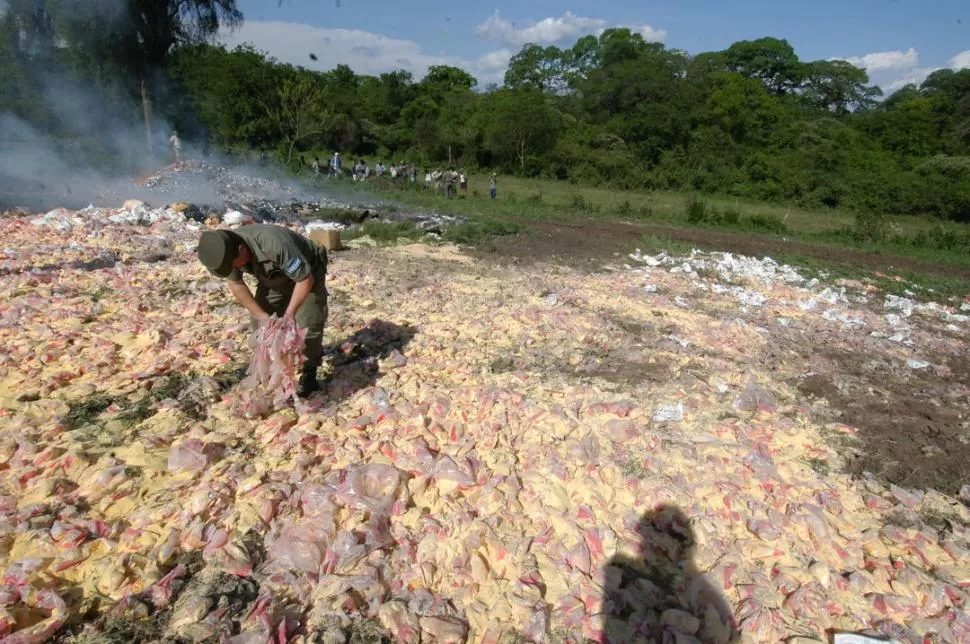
<point x="451" y="178"/>
<point x="176" y="144"/>
<point x="379" y="168"/>
<point x="492" y="185"/>
<point x="315" y="166"/>
<point x="463" y="182"/>
<point x="335" y="165"/>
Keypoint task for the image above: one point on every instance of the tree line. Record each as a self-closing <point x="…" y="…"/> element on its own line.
<point x="752" y="120"/>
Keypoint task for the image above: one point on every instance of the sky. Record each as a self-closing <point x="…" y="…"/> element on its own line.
<point x="896" y="41"/>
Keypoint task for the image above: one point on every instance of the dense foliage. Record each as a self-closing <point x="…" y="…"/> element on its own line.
<point x="752" y="120"/>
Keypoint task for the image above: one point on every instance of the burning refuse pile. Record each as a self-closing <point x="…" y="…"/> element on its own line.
<point x="236" y="196"/>
<point x="611" y="455"/>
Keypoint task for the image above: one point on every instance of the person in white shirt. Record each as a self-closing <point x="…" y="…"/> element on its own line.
<point x="176" y="144"/>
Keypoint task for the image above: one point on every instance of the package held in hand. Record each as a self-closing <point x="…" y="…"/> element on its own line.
<point x="274" y="369"/>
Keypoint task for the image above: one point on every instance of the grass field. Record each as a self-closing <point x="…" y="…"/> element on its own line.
<point x="837" y="232"/>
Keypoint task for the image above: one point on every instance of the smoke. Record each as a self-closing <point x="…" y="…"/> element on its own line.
<point x="85" y="145"/>
<point x="33" y="171"/>
<point x="72" y="129"/>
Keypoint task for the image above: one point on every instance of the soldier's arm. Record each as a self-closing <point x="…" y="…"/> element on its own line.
<point x="300" y="293"/>
<point x="245" y="297"/>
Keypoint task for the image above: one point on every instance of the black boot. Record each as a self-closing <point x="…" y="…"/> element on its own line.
<point x="308" y="384"/>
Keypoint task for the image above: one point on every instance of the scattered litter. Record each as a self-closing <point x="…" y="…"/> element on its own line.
<point x="903" y="305"/>
<point x="319" y="224"/>
<point x="448" y="500"/>
<point x="755" y="398"/>
<point x="236" y="218"/>
<point x="750" y="298"/>
<point x="834" y="315"/>
<point x="669" y="413"/>
<point x="917" y="364"/>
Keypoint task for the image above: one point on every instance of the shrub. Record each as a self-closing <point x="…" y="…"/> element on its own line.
<point x="471" y="232"/>
<point x="696" y="209"/>
<point x="646" y="208"/>
<point x="731" y="216"/>
<point x="765" y="223"/>
<point x="625" y="208"/>
<point x="390" y="231"/>
<point x="579" y="201"/>
<point x="535" y="199"/>
<point x="870" y="226"/>
<point x="938" y="238"/>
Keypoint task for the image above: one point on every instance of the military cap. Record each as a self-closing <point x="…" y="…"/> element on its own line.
<point x="217" y="250"/>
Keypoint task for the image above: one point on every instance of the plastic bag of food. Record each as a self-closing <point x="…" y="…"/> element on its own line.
<point x="372" y="486"/>
<point x="274" y="370"/>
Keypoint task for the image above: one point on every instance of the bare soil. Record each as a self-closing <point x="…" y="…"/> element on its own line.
<point x="914" y="430"/>
<point x="588" y="244"/>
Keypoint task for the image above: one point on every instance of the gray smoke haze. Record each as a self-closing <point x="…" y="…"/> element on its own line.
<point x="88" y="146"/>
<point x="80" y="145"/>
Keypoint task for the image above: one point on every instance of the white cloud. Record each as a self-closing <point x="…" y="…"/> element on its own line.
<point x="650" y="34"/>
<point x="961" y="60"/>
<point x="362" y="51"/>
<point x="914" y="76"/>
<point x="547" y="30"/>
<point x="892" y="70"/>
<point x="495" y="60"/>
<point x="886" y="60"/>
<point x="555" y="29"/>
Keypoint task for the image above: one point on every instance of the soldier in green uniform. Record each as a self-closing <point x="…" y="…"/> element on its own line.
<point x="291" y="274"/>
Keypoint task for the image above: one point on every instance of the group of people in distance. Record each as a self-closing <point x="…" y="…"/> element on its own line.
<point x="450" y="182"/>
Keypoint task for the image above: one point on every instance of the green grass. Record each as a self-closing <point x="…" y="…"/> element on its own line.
<point x="384" y="232"/>
<point x="549" y="199"/>
<point x="654" y="244"/>
<point x="927" y="285"/>
<point x="522" y="200"/>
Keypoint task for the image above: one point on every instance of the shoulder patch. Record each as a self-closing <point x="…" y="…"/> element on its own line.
<point x="293" y="265"/>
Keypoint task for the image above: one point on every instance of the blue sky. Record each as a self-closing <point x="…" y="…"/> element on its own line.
<point x="895" y="40"/>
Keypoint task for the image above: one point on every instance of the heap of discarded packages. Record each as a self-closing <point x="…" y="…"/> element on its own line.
<point x="475" y="464"/>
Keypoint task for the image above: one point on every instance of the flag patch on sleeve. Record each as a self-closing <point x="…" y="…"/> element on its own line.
<point x="293" y="265"/>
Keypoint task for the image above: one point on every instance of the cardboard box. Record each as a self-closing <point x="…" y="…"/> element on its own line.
<point x="329" y="239"/>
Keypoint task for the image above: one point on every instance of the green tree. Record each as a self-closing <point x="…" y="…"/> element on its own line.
<point x="302" y="111"/>
<point x="233" y="93"/>
<point x="838" y="86"/>
<point x="445" y="78"/>
<point x="518" y="124"/>
<point x="906" y="125"/>
<point x="540" y="67"/>
<point x="771" y="60"/>
<point x="742" y="107"/>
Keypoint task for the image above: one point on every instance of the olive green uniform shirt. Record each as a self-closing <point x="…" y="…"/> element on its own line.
<point x="281" y="258"/>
